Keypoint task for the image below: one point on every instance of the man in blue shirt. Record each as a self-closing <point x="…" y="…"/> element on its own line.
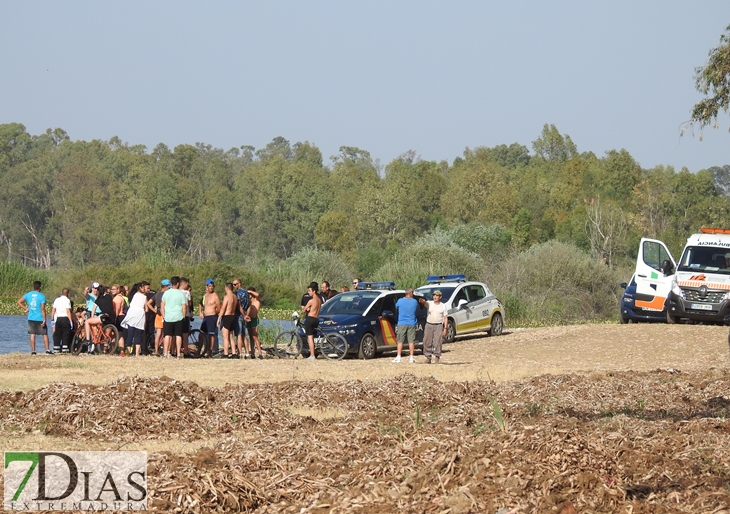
<point x="406" y="327"/>
<point x="34" y="305"/>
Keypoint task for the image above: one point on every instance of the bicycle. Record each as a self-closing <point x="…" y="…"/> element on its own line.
<point x="289" y="344"/>
<point x="196" y="345"/>
<point x="104" y="338"/>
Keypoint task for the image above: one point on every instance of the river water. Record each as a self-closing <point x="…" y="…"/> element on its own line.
<point x="14" y="333"/>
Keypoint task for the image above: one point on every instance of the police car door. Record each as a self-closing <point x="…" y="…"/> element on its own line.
<point x="478" y="305"/>
<point x="386" y="335"/>
<point x="462" y="316"/>
<point x="652" y="283"/>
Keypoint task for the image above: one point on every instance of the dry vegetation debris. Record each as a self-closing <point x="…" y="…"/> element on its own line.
<point x="605" y="442"/>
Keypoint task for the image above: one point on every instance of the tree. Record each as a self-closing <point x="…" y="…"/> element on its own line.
<point x="713" y="81"/>
<point x="553" y="146"/>
<point x="721" y="176"/>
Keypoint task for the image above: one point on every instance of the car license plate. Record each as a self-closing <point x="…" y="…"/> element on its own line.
<point x="701" y="306"/>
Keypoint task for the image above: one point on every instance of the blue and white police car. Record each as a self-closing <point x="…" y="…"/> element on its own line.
<point x="366" y="317"/>
<point x="471" y="306"/>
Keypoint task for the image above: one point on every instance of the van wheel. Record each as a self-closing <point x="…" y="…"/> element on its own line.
<point x="497" y="325"/>
<point x="368" y="347"/>
<point x="672" y="319"/>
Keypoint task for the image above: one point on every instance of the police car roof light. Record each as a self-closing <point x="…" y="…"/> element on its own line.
<point x="375" y="285"/>
<point x="435" y="279"/>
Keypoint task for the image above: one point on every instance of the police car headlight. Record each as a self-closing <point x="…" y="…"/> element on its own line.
<point x="726" y="296"/>
<point x="676" y="289"/>
<point x="346" y="329"/>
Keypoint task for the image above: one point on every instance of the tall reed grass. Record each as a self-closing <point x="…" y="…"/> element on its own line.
<point x="16" y="279"/>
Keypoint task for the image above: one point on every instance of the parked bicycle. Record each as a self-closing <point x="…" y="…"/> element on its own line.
<point x="196" y="345"/>
<point x="104" y="339"/>
<point x="290" y="343"/>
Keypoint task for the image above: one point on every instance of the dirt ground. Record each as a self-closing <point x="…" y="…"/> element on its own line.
<point x="589" y="418"/>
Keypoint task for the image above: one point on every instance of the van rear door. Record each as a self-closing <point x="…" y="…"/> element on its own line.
<point x="652" y="284"/>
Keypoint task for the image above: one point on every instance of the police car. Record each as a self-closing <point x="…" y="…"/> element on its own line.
<point x="471" y="306"/>
<point x="366" y="317"/>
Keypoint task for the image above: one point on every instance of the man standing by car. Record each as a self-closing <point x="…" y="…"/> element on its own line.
<point x="326" y="293"/>
<point x="62" y="322"/>
<point x="405" y="329"/>
<point x="34" y="305"/>
<point x="311" y="321"/>
<point x="435" y="331"/>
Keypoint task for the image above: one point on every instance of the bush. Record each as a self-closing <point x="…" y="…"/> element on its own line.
<point x="16" y="279"/>
<point x="557" y="283"/>
<point x="310" y="265"/>
<point x="434" y="254"/>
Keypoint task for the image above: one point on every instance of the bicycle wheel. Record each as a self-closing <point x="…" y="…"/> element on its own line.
<point x="77" y="344"/>
<point x="196" y="343"/>
<point x="334" y="346"/>
<point x="109" y="339"/>
<point x="288" y="345"/>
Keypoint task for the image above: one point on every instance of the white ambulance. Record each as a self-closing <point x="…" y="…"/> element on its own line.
<point x="697" y="288"/>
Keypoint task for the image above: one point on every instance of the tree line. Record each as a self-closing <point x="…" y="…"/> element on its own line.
<point x="67" y="203"/>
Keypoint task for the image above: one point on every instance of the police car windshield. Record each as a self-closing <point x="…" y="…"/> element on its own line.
<point x="354" y="302"/>
<point x="711" y="259"/>
<point x="427" y="292"/>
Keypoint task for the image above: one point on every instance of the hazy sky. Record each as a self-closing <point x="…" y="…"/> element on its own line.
<point x="388" y="77"/>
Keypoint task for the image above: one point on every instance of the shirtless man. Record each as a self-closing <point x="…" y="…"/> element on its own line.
<point x="226" y="319"/>
<point x="209" y="308"/>
<point x="311" y="322"/>
<point x="253" y="323"/>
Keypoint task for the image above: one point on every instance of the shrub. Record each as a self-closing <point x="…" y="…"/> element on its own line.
<point x="557" y="282"/>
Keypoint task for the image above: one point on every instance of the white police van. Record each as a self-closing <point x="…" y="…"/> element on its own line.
<point x="471" y="306"/>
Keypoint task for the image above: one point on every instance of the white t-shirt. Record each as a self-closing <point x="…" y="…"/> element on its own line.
<point x="135" y="314"/>
<point x="436" y="312"/>
<point x="61" y="304"/>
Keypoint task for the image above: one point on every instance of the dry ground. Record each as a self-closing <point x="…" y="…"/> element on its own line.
<point x="590" y="418"/>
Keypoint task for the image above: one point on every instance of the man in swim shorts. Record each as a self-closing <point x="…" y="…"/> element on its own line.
<point x="210" y="306"/>
<point x="311" y="322"/>
<point x="227" y="320"/>
<point x="253" y="323"/>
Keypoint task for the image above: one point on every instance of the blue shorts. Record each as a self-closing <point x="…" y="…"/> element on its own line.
<point x="210" y="325"/>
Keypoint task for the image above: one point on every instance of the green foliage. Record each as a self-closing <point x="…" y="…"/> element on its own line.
<point x="713" y="81"/>
<point x="114" y="212"/>
<point x="16" y="279"/>
<point x="557" y="283"/>
<point x="310" y="265"/>
<point x="433" y="254"/>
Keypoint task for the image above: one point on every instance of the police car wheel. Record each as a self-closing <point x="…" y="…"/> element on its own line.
<point x="497" y="325"/>
<point x="368" y="347"/>
<point x="450" y="332"/>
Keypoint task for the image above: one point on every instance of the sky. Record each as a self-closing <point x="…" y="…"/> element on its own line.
<point x="384" y="76"/>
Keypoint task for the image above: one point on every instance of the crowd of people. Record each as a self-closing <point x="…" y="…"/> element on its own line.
<point x="140" y="314"/>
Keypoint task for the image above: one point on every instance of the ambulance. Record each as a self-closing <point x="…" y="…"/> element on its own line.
<point x="697" y="288"/>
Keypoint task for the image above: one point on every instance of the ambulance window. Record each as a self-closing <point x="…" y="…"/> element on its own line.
<point x="655" y="254"/>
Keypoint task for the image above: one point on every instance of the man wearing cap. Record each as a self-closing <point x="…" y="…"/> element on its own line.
<point x="210" y="306"/>
<point x="154" y="305"/>
<point x="436" y="323"/>
<point x="174" y="309"/>
<point x="90" y="295"/>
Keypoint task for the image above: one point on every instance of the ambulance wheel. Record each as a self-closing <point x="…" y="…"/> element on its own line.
<point x="368" y="347"/>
